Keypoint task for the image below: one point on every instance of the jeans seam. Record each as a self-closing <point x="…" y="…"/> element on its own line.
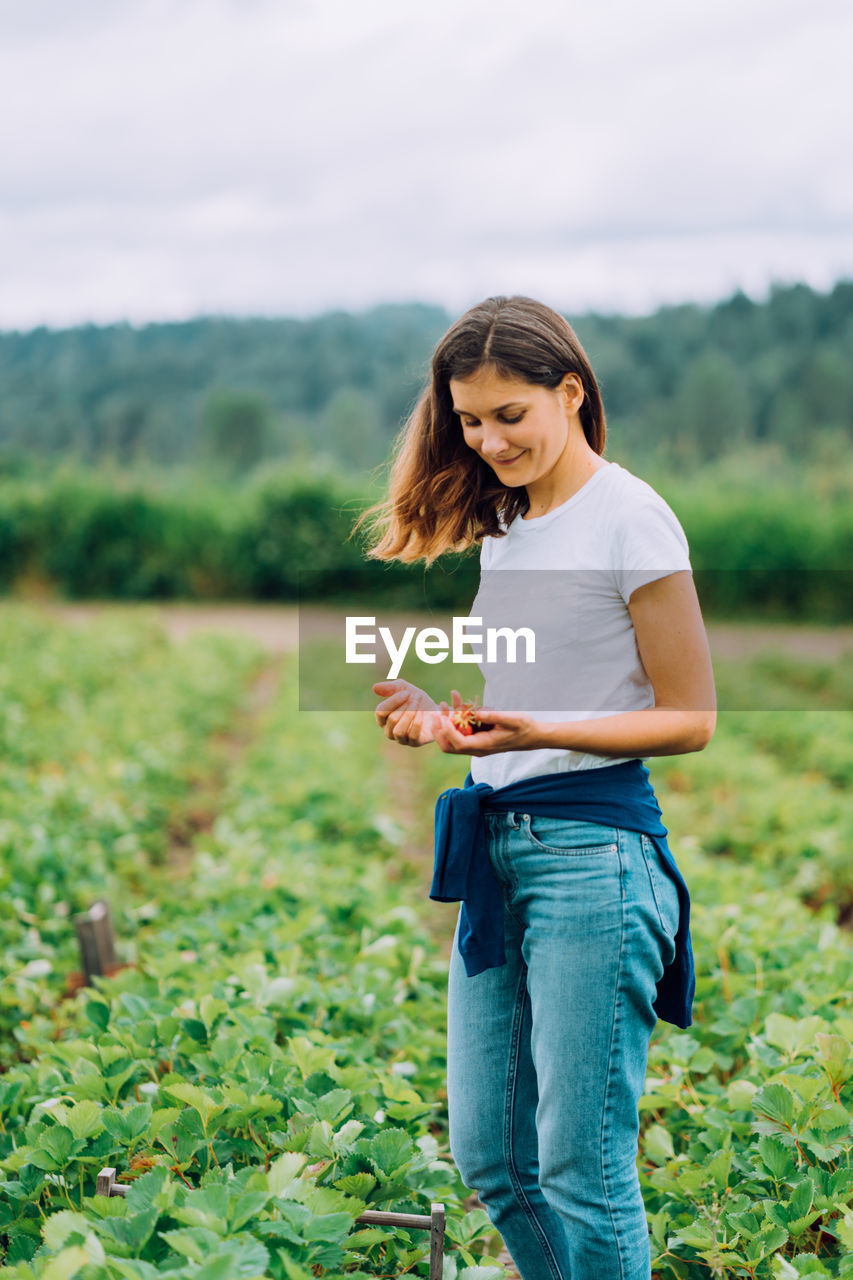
<point x="507" y="871"/>
<point x="614" y="1038"/>
<point x="509" y="1112"/>
<point x="648" y="851"/>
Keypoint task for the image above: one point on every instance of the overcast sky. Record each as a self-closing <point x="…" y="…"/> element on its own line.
<point x="168" y="158"/>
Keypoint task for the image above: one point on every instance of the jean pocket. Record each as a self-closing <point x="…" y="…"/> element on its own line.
<point x="564" y="835"/>
<point x="664" y="888"/>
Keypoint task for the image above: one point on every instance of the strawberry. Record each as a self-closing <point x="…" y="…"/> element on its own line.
<point x="464" y="717"/>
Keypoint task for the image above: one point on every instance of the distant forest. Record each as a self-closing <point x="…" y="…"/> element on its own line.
<point x="683" y="387"/>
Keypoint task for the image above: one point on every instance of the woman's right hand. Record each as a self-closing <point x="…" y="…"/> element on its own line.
<point x="405" y="713"/>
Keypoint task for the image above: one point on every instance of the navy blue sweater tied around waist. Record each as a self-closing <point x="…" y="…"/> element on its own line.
<point x="618" y="795"/>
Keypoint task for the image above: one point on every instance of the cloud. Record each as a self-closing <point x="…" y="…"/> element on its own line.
<point x="180" y="156"/>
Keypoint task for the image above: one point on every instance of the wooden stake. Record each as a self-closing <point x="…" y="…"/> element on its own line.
<point x="95" y="936"/>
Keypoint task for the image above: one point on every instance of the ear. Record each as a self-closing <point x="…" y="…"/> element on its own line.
<point x="573" y="392"/>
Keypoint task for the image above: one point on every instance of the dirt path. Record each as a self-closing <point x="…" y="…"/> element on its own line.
<point x="276" y="626"/>
<point x="203" y="804"/>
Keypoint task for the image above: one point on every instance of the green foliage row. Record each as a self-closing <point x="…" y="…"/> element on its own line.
<point x="106" y="742"/>
<point x="773" y="794"/>
<point x="286" y="534"/>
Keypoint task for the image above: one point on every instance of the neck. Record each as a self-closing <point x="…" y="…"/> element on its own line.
<point x="570" y="475"/>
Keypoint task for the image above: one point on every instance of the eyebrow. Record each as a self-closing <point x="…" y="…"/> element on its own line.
<point x="513" y="404"/>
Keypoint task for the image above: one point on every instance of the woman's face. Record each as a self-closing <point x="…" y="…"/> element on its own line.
<point x="519" y="428"/>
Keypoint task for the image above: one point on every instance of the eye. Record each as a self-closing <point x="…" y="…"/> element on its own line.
<point x="502" y="417"/>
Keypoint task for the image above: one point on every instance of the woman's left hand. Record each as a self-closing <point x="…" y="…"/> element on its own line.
<point x="508" y="731"/>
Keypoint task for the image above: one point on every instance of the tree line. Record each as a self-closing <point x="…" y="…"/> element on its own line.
<point x="683" y="387"/>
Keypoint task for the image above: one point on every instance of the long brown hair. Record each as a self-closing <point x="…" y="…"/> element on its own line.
<point x="442" y="495"/>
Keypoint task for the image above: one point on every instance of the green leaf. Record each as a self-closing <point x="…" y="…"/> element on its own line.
<point x="329" y="1227"/>
<point x="135" y="1005"/>
<point x="153" y="1188"/>
<point x="660" y="1225"/>
<point x="657" y="1144"/>
<point x="778" y="1213"/>
<point x="211" y="1009"/>
<point x="833" y="1116"/>
<point x="98" y="1012"/>
<point x="60" y="1226"/>
<point x="745" y="1224"/>
<point x="245" y="1207"/>
<point x="694" y="1236"/>
<point x="835" y="1056"/>
<point x="783" y="1269"/>
<point x="193" y="1096"/>
<point x="138" y="1118"/>
<point x="740" y="1094"/>
<point x="794" y="1036"/>
<point x="161" y="1117"/>
<point x="844" y="1230"/>
<point x="117" y="1125"/>
<point x="41" y="1159"/>
<point x="776" y="1157"/>
<point x="66" y="1264"/>
<point x="325" y="1200"/>
<point x="773" y="1237"/>
<point x="195" y="1029"/>
<point x="195" y="1243"/>
<point x="284" y="1171"/>
<point x="802" y="1197"/>
<point x="347" y="1135"/>
<point x="776" y="1102"/>
<point x="84" y="1119"/>
<point x="245" y="1258"/>
<point x="808" y="1264"/>
<point x="206" y="1207"/>
<point x="703" y="1061"/>
<point x="719" y="1168"/>
<point x="366" y="1236"/>
<point x="358" y="1185"/>
<point x="320" y="1140"/>
<point x="390" y="1150"/>
<point x="334" y="1105"/>
<point x="133" y="1231"/>
<point x="58" y="1143"/>
<point x="470" y="1228"/>
<point x="309" y="1057"/>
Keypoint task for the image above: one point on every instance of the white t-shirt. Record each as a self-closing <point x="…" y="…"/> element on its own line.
<point x="568" y="576"/>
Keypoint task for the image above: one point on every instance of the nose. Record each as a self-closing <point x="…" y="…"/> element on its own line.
<point x="493" y="443"/>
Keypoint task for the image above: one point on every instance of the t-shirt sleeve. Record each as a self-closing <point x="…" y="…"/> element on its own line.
<point x="650" y="544"/>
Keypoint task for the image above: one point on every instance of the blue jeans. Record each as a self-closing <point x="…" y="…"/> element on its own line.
<point x="546" y="1055"/>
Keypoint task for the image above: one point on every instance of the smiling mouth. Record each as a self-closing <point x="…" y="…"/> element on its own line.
<point x="502" y="462"/>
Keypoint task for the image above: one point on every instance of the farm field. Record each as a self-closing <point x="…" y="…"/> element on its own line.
<point x="269" y="1061"/>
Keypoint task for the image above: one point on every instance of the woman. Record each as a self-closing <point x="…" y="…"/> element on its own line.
<point x="573" y="933"/>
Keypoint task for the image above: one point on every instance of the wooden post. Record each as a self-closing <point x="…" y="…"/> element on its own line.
<point x="436" y="1242"/>
<point x="106" y="1184"/>
<point x="95" y="936"/>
